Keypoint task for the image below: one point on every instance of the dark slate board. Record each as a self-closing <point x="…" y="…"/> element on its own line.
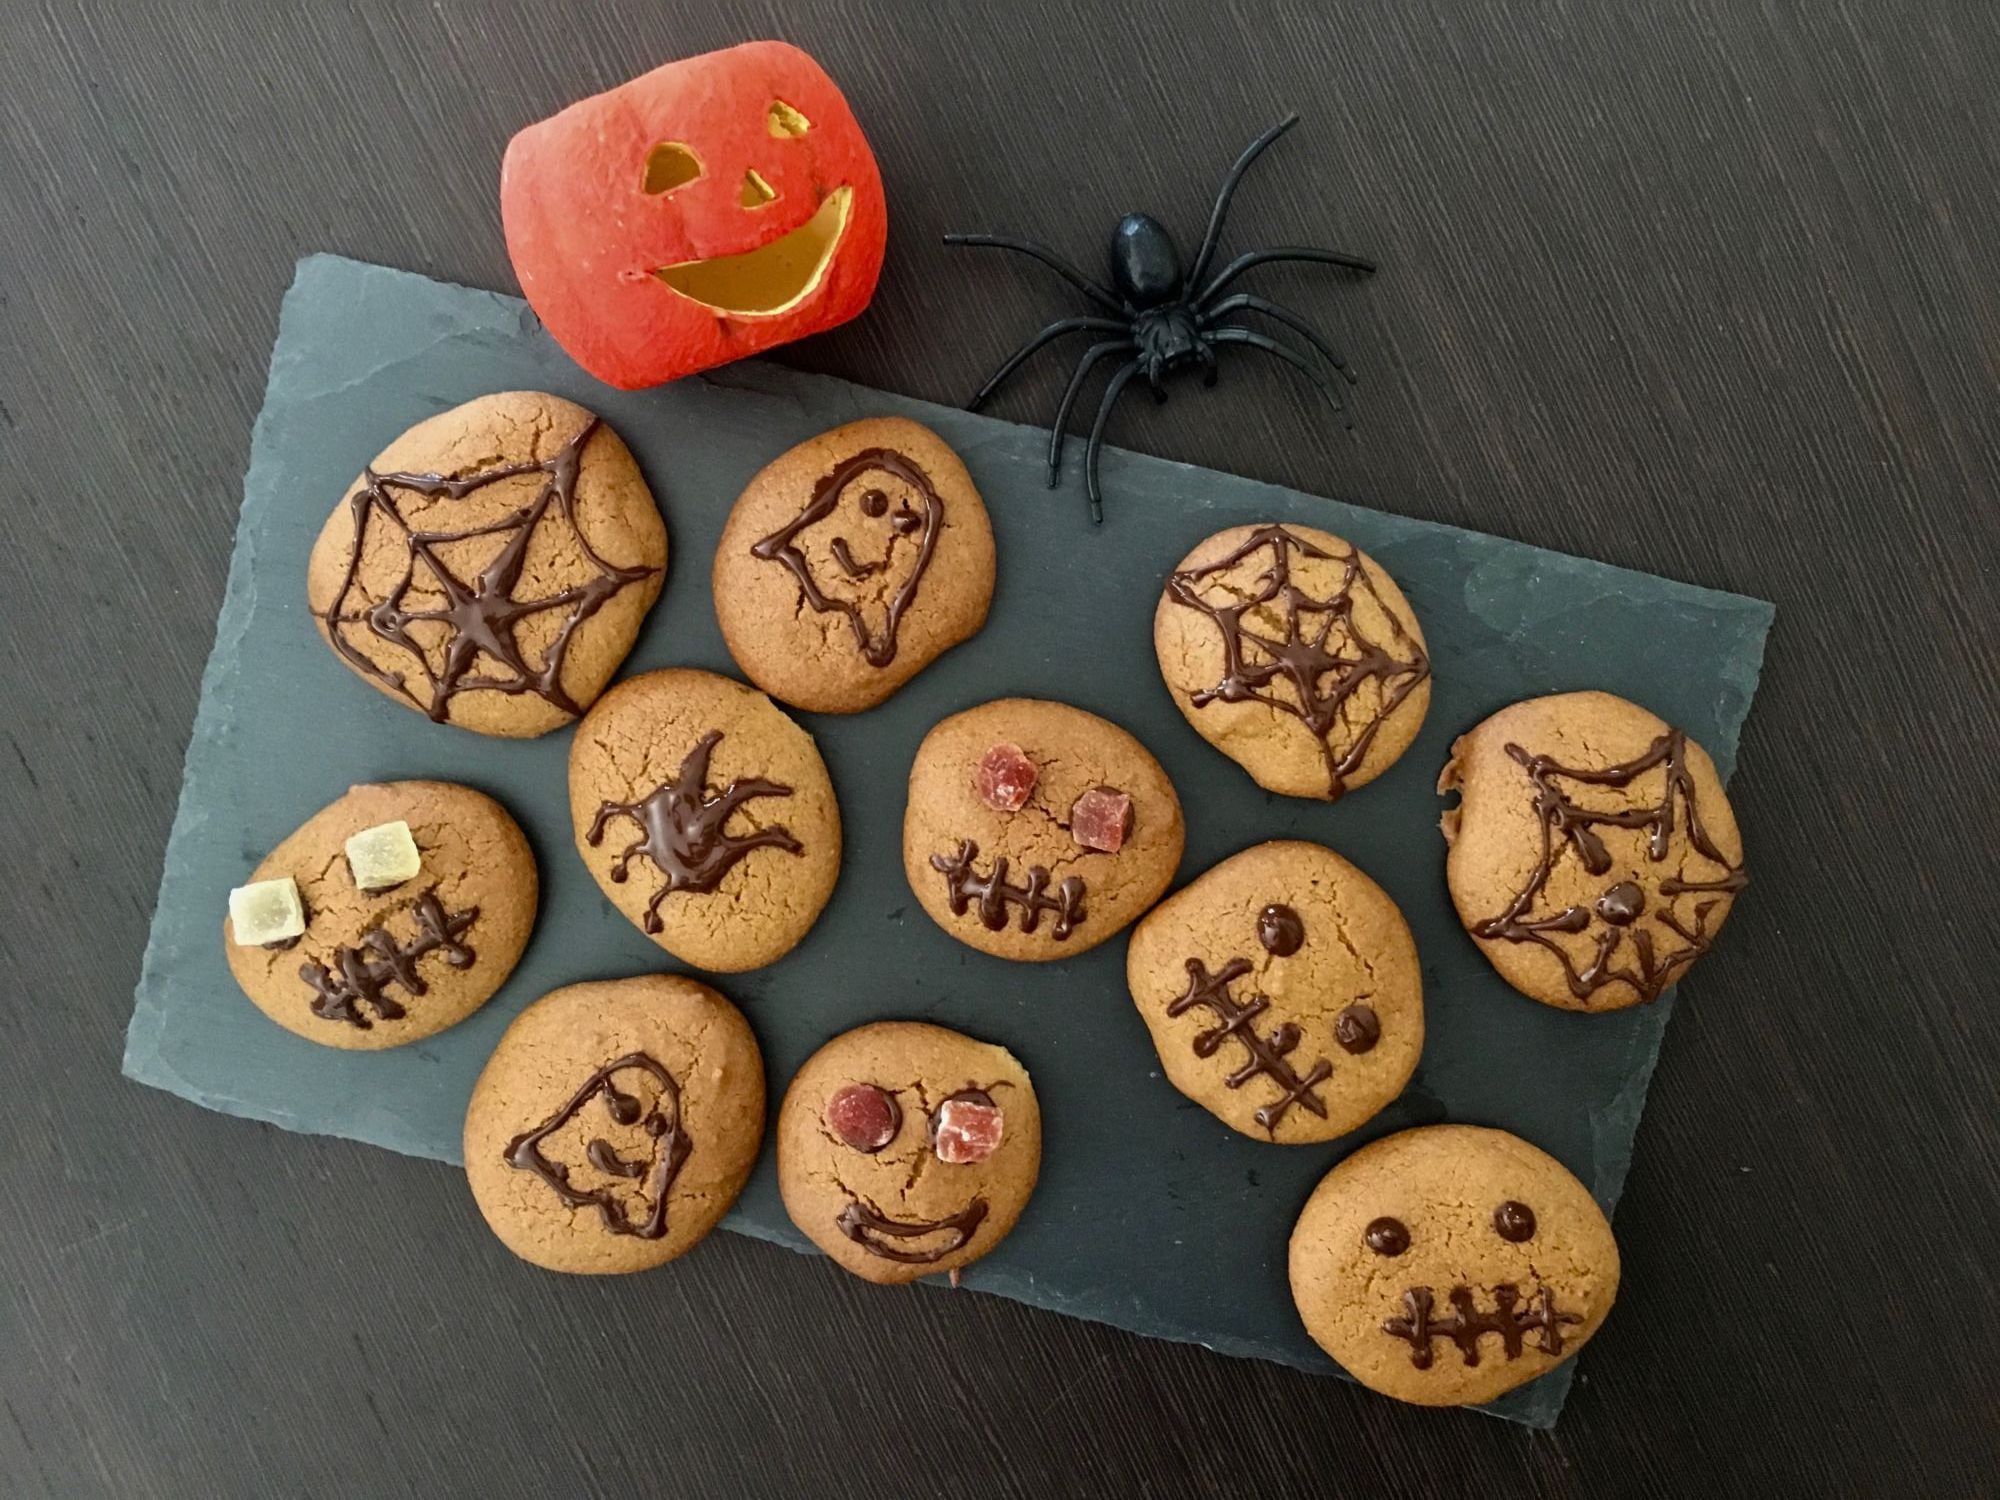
<point x="1150" y="1214"/>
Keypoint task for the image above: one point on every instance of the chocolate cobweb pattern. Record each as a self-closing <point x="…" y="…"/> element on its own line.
<point x="1566" y="824"/>
<point x="1511" y="1318"/>
<point x="1324" y="657"/>
<point x="361" y="975"/>
<point x="479" y="616"/>
<point x="684" y="831"/>
<point x="994" y="893"/>
<point x="1268" y="1056"/>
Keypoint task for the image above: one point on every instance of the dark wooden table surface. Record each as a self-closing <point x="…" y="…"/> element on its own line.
<point x="1704" y="287"/>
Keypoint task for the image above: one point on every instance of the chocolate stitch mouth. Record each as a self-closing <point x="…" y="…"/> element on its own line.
<point x="1510" y="1318"/>
<point x="861" y="1224"/>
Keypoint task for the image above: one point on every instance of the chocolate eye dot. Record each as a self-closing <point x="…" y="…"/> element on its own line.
<point x="864" y="1116"/>
<point x="1386" y="1236"/>
<point x="874" y="503"/>
<point x="1357" y="1029"/>
<point x="1280" y="930"/>
<point x="1514" y="1221"/>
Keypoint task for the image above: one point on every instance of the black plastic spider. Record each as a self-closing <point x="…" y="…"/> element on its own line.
<point x="1162" y="325"/>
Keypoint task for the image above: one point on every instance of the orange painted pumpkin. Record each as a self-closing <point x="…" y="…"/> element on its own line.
<point x="710" y="209"/>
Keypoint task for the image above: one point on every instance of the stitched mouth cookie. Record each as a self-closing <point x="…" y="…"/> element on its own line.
<point x="1035" y="830"/>
<point x="1447" y="1265"/>
<point x="1282" y="991"/>
<point x="706" y="816"/>
<point x="1594" y="856"/>
<point x="1295" y="655"/>
<point x="386" y="916"/>
<point x="615" y="1123"/>
<point x="492" y="566"/>
<point x="852" y="562"/>
<point x="905" y="1149"/>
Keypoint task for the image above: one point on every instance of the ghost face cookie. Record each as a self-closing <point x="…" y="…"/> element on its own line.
<point x="492" y="566"/>
<point x="386" y="917"/>
<point x="905" y="1150"/>
<point x="615" y="1123"/>
<point x="1447" y="1265"/>
<point x="1594" y="856"/>
<point x="851" y="563"/>
<point x="706" y="816"/>
<point x="1282" y="991"/>
<point x="1035" y="830"/>
<point x="1295" y="655"/>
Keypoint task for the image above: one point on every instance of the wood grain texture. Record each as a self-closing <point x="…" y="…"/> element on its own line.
<point x="1698" y="286"/>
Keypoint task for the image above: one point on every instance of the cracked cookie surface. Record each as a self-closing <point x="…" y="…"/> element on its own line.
<point x="381" y="968"/>
<point x="1054" y="896"/>
<point x="889" y="1206"/>
<point x="706" y="816"/>
<point x="851" y="562"/>
<point x="615" y="1123"/>
<point x="491" y="567"/>
<point x="1282" y="991"/>
<point x="1448" y="1264"/>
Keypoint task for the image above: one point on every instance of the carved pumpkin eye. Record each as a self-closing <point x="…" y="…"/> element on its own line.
<point x="669" y="165"/>
<point x="784" y="122"/>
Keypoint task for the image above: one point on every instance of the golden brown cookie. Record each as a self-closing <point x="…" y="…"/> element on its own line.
<point x="1283" y="992"/>
<point x="851" y="562"/>
<point x="1447" y="1265"/>
<point x="905" y="1149"/>
<point x="615" y="1123"/>
<point x="492" y="566"/>
<point x="1594" y="856"/>
<point x="1035" y="830"/>
<point x="1295" y="655"/>
<point x="379" y="968"/>
<point x="706" y="815"/>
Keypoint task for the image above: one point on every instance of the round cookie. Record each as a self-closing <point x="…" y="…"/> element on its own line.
<point x="377" y="969"/>
<point x="1594" y="856"/>
<point x="615" y="1123"/>
<point x="851" y="562"/>
<point x="492" y="566"/>
<point x="1446" y="1265"/>
<point x="905" y="1149"/>
<point x="1035" y="830"/>
<point x="1282" y="991"/>
<point x="706" y="815"/>
<point x="1295" y="655"/>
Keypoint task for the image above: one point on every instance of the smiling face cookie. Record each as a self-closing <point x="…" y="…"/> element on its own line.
<point x="1594" y="856"/>
<point x="905" y="1150"/>
<point x="851" y="562"/>
<point x="1447" y="1265"/>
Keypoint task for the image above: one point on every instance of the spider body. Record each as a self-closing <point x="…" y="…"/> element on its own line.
<point x="1158" y="320"/>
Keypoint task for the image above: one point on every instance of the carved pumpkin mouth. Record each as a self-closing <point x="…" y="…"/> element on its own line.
<point x="773" y="278"/>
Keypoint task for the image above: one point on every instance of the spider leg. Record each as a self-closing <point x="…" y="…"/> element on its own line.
<point x="1231" y="334"/>
<point x="1251" y="258"/>
<point x="1244" y="302"/>
<point x="1221" y="209"/>
<point x="1090" y="357"/>
<point x="1021" y="355"/>
<point x="1210" y="366"/>
<point x="1111" y="392"/>
<point x="1048" y="258"/>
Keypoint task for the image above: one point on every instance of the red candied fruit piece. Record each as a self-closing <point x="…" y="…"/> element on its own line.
<point x="968" y="1130"/>
<point x="1101" y="819"/>
<point x="864" y="1116"/>
<point x="1005" y="778"/>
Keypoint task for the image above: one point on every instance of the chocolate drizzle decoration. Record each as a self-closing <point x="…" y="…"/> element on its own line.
<point x="1511" y="1318"/>
<point x="361" y="975"/>
<point x="1565" y="824"/>
<point x="863" y="1224"/>
<point x="993" y="892"/>
<point x="479" y="616"/>
<point x="1268" y="1055"/>
<point x="684" y="832"/>
<point x="781" y="546"/>
<point x="1324" y="656"/>
<point x="657" y="1169"/>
